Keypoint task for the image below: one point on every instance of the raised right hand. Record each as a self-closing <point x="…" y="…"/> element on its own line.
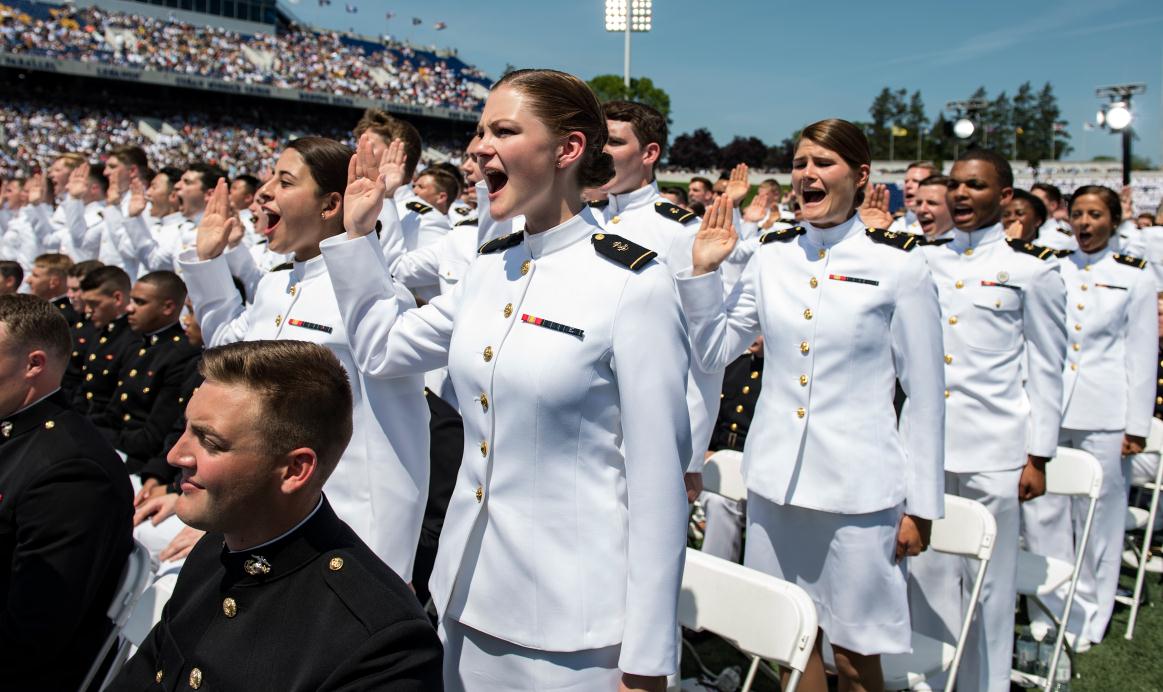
<point x="366" y="188"/>
<point x="136" y="195"/>
<point x="78" y="181"/>
<point x="217" y="223"/>
<point x="716" y="238"/>
<point x="37" y="190"/>
<point x="113" y="194"/>
<point x="760" y="205"/>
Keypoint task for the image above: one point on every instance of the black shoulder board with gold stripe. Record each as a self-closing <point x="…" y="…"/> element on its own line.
<point x="283" y="267"/>
<point x="673" y="211"/>
<point x="1131" y="261"/>
<point x="418" y="207"/>
<point x="1065" y="231"/>
<point x="502" y="243"/>
<point x="783" y="235"/>
<point x="466" y="222"/>
<point x="622" y="251"/>
<point x="922" y="240"/>
<point x="1019" y="245"/>
<point x="901" y="241"/>
<point x="1063" y="253"/>
<point x="598" y="204"/>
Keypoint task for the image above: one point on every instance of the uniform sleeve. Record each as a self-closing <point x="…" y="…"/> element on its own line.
<point x="406" y="657"/>
<point x="433" y="227"/>
<point x="421" y="267"/>
<point x="385" y="340"/>
<point x="217" y="305"/>
<point x="1141" y="346"/>
<point x="75" y="224"/>
<point x="391" y="234"/>
<point x="917" y="348"/>
<point x="115" y="223"/>
<point x="1044" y="329"/>
<point x="650" y="344"/>
<point x="243" y="266"/>
<point x="721" y="328"/>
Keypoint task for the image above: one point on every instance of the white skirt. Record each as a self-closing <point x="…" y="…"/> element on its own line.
<point x="478" y="662"/>
<point x="846" y="563"/>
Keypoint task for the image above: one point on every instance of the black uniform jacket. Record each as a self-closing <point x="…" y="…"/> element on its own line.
<point x="108" y="350"/>
<point x="157" y="467"/>
<point x="741" y="383"/>
<point x="66" y="525"/>
<point x="315" y="610"/>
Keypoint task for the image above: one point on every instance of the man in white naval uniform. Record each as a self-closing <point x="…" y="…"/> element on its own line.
<point x="1000" y="300"/>
<point x="914" y="174"/>
<point x="932" y="208"/>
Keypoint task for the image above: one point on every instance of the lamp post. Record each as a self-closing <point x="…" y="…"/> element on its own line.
<point x="1118" y="116"/>
<point x="628" y="16"/>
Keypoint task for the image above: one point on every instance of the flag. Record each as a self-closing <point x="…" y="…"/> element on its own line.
<point x="1088" y="126"/>
<point x="389" y="15"/>
<point x="416" y="21"/>
<point x="439" y="25"/>
<point x="899" y="131"/>
<point x="324" y="3"/>
<point x="350" y="9"/>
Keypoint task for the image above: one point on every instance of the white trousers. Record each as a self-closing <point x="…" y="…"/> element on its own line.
<point x="723" y="536"/>
<point x="478" y="662"/>
<point x="1052" y="526"/>
<point x="940" y="585"/>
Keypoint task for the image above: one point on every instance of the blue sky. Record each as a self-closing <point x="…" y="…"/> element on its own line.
<point x="767" y="68"/>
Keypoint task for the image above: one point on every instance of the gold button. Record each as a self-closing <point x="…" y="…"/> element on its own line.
<point x="480" y="493"/>
<point x="822" y="253"/>
<point x="89" y="377"/>
<point x="278" y="320"/>
<point x="1159" y="401"/>
<point x="488" y="353"/>
<point x="968" y="252"/>
<point x="959" y="284"/>
<point x="104" y="372"/>
<point x="157" y="677"/>
<point x="1078" y="327"/>
<point x="803" y="380"/>
<point x="813" y="283"/>
<point x="616" y="219"/>
<point x="291" y="290"/>
<point x="102" y="340"/>
<point x="599" y="236"/>
<point x="948" y="359"/>
<point x="1086" y="268"/>
<point x="1076" y="347"/>
<point x="125" y="418"/>
<point x="229" y="607"/>
<point x="484" y="448"/>
<point x="196" y="678"/>
<point x="484" y="402"/>
<point x="120" y="382"/>
<point x="807" y="313"/>
<point x="508" y="310"/>
<point x="335" y="564"/>
<point x="1074" y="366"/>
<point x="747" y="388"/>
<point x="1085" y="287"/>
<point x="75" y="354"/>
<point x="953" y="319"/>
<point x="525" y="267"/>
<point x="800" y="412"/>
<point x="804" y="348"/>
<point x="735" y="426"/>
<point x="88" y="395"/>
<point x="133" y="372"/>
<point x="739" y="408"/>
<point x="946" y="393"/>
<point x="92" y="356"/>
<point x="755" y="374"/>
<point x="145" y="390"/>
<point x="141" y="352"/>
<point x="49" y="425"/>
<point x="1080" y="306"/>
<point x="124" y="396"/>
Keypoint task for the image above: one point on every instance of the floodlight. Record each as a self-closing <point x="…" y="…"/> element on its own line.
<point x="1118" y="116"/>
<point x="963" y="128"/>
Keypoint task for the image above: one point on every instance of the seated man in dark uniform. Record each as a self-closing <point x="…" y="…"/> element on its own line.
<point x="279" y="594"/>
<point x="65" y="510"/>
<point x="105" y="292"/>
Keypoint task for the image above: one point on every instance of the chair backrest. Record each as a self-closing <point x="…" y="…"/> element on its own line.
<point x="1074" y="472"/>
<point x="133" y="581"/>
<point x="966" y="529"/>
<point x="723" y="474"/>
<point x="758" y="613"/>
<point x="148" y="610"/>
<point x="1155" y="436"/>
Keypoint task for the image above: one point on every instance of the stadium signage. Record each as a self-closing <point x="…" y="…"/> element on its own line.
<point x="83" y="69"/>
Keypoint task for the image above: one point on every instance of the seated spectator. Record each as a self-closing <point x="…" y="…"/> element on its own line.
<point x="11" y="277"/>
<point x="106" y="294"/>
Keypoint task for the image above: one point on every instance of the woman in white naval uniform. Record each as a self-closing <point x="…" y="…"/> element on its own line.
<point x="561" y="555"/>
<point x="381" y="484"/>
<point x="836" y="495"/>
<point x="1108" y="395"/>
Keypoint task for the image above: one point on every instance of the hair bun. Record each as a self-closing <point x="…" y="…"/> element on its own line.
<point x="597" y="170"/>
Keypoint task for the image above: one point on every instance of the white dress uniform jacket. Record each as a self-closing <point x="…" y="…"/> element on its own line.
<point x="1056" y="235"/>
<point x="160" y="243"/>
<point x="381" y="484"/>
<point x="1111" y="320"/>
<point x="998" y="302"/>
<point x="843" y="318"/>
<point x="567" y="524"/>
<point x="906" y="224"/>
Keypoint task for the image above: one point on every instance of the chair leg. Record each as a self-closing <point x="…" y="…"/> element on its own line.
<point x="747" y="682"/>
<point x="1144" y="558"/>
<point x="793" y="681"/>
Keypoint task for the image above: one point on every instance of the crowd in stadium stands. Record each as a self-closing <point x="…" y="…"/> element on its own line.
<point x="293" y="59"/>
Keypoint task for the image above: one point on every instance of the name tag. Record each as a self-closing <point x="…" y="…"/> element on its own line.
<point x="853" y="279"/>
<point x="310" y="325"/>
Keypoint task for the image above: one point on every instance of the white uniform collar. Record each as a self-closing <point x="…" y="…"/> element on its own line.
<point x="621" y="202"/>
<point x="1083" y="259"/>
<point x="301" y="271"/>
<point x="827" y="237"/>
<point x="95" y="205"/>
<point x="563" y="235"/>
<point x="982" y="236"/>
<point x="172" y="218"/>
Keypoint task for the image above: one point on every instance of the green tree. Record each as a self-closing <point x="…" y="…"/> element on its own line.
<point x="695" y="151"/>
<point x="749" y="150"/>
<point x="996" y="121"/>
<point x="886" y="110"/>
<point x="609" y="87"/>
<point x="1049" y="116"/>
<point x="915" y="121"/>
<point x="1025" y="116"/>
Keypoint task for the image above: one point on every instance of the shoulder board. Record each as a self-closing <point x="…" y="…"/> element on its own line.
<point x="418" y="207"/>
<point x="622" y="251"/>
<point x="1019" y="245"/>
<point x="1131" y="261"/>
<point x="283" y="267"/>
<point x="1065" y="231"/>
<point x="466" y="222"/>
<point x="782" y="235"/>
<point x="922" y="240"/>
<point x="598" y="203"/>
<point x="463" y="210"/>
<point x="901" y="241"/>
<point x="100" y="214"/>
<point x="1063" y="253"/>
<point x="502" y="243"/>
<point x="673" y="211"/>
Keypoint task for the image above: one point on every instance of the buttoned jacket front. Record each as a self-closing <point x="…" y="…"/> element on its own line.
<point x="566" y="527"/>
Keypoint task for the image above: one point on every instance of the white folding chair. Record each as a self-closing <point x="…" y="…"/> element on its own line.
<point x="146" y="613"/>
<point x="129" y="587"/>
<point x="1138" y="519"/>
<point x="969" y="530"/>
<point x="760" y="615"/>
<point x="723" y="475"/>
<point x="1072" y="473"/>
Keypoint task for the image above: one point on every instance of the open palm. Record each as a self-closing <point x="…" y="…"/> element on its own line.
<point x="716" y="238"/>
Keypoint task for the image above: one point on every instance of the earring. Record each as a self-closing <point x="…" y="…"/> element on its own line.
<point x="323" y="215"/>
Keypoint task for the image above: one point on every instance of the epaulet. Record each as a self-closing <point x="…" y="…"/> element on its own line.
<point x="1019" y="245"/>
<point x="598" y="204"/>
<point x="502" y="243"/>
<point x="901" y="241"/>
<point x="1131" y="261"/>
<point x="1063" y="253"/>
<point x="283" y="267"/>
<point x="622" y="251"/>
<point x="471" y="221"/>
<point x="418" y="207"/>
<point x="1065" y="231"/>
<point x="673" y="211"/>
<point x="462" y="210"/>
<point x="922" y="240"/>
<point x="782" y="235"/>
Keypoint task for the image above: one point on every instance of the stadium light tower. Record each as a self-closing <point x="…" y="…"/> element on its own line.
<point x="964" y="128"/>
<point x="1118" y="116"/>
<point x="628" y="16"/>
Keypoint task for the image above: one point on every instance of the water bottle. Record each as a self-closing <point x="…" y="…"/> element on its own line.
<point x="1045" y="653"/>
<point x="1026" y="652"/>
<point x="729" y="680"/>
<point x="1062" y="676"/>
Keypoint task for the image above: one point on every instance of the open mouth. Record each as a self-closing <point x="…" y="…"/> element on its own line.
<point x="273" y="220"/>
<point x="813" y="196"/>
<point x="962" y="212"/>
<point x="496" y="180"/>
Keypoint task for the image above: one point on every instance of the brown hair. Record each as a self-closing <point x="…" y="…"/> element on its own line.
<point x="927" y="165"/>
<point x="106" y="279"/>
<point x="1107" y="195"/>
<point x="305" y="394"/>
<point x="844" y="138"/>
<point x="566" y="104"/>
<point x="80" y="269"/>
<point x="132" y="156"/>
<point x="648" y="124"/>
<point x="54" y="263"/>
<point x="389" y="127"/>
<point x="444" y="181"/>
<point x="72" y="159"/>
<point x="938" y="179"/>
<point x="35" y="324"/>
<point x="327" y="160"/>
